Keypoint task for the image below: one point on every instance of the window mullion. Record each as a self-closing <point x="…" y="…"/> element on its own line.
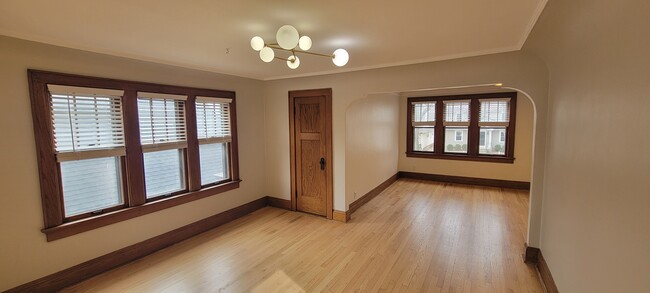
<point x="474" y="131"/>
<point x="193" y="160"/>
<point x="134" y="156"/>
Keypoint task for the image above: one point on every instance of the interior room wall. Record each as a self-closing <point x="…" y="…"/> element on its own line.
<point x="596" y="210"/>
<point x="25" y="255"/>
<point x="514" y="69"/>
<point x="520" y="170"/>
<point x="371" y="143"/>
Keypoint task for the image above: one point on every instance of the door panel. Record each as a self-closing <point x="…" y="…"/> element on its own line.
<point x="311" y="142"/>
<point x="311" y="189"/>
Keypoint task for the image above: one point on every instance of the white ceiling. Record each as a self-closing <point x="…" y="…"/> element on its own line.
<point x="197" y="33"/>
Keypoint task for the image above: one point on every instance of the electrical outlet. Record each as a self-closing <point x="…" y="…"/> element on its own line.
<point x="355" y="195"/>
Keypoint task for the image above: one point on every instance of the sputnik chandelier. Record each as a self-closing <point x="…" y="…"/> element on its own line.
<point x="289" y="40"/>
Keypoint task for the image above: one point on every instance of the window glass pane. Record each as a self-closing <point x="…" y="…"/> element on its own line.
<point x="494" y="111"/>
<point x="163" y="172"/>
<point x="456" y="111"/>
<point x="424" y="111"/>
<point x="423" y="139"/>
<point x="214" y="162"/>
<point x="212" y="119"/>
<point x="86" y="122"/>
<point x="90" y="185"/>
<point x="161" y="120"/>
<point x="494" y="141"/>
<point x="456" y="139"/>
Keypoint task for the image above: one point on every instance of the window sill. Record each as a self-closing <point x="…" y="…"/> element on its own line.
<point x="87" y="224"/>
<point x="491" y="159"/>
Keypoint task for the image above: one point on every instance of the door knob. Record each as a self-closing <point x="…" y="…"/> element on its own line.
<point x="322" y="163"/>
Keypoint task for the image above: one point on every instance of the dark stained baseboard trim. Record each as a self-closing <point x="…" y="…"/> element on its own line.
<point x="279" y="203"/>
<point x="534" y="256"/>
<point x="371" y="194"/>
<point x="96" y="266"/>
<point x="466" y="180"/>
<point x="531" y="255"/>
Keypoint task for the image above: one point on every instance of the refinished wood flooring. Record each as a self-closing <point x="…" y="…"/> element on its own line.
<point x="416" y="236"/>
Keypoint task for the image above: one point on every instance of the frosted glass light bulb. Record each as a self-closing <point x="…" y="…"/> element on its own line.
<point x="287" y="37"/>
<point x="340" y="57"/>
<point x="304" y="43"/>
<point x="257" y="43"/>
<point x="293" y="62"/>
<point x="267" y="54"/>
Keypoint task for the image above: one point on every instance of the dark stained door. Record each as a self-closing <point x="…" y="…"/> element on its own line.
<point x="311" y="160"/>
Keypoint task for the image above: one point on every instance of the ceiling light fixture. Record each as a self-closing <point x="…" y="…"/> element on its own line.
<point x="289" y="40"/>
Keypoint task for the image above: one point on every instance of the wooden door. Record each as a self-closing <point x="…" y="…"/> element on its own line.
<point x="311" y="151"/>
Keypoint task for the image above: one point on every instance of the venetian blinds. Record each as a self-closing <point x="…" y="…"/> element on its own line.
<point x="494" y="112"/>
<point x="87" y="122"/>
<point x="162" y="121"/>
<point x="424" y="114"/>
<point x="213" y="120"/>
<point x="456" y="113"/>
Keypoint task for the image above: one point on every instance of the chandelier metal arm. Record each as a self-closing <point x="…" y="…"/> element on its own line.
<point x="275" y="46"/>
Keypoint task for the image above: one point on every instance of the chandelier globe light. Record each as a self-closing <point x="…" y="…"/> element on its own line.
<point x="289" y="40"/>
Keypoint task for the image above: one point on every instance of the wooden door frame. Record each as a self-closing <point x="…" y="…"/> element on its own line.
<point x="327" y="92"/>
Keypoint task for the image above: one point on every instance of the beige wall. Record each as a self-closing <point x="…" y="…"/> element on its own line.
<point x="520" y="170"/>
<point x="514" y="70"/>
<point x="24" y="253"/>
<point x="371" y="136"/>
<point x="596" y="210"/>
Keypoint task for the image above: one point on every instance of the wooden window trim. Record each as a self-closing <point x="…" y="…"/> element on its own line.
<point x="56" y="225"/>
<point x="473" y="130"/>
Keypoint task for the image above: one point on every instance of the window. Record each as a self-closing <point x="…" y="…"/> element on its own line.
<point x="110" y="150"/>
<point x="459" y="135"/>
<point x="423" y="123"/>
<point x="494" y="119"/>
<point x="163" y="139"/>
<point x="89" y="145"/>
<point x="213" y="125"/>
<point x="470" y="127"/>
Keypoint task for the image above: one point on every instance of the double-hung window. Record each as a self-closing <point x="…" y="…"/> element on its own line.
<point x="494" y="119"/>
<point x="456" y="123"/>
<point x="110" y="150"/>
<point x="477" y="127"/>
<point x="213" y="129"/>
<point x="424" y="125"/>
<point x="164" y="141"/>
<point x="89" y="148"/>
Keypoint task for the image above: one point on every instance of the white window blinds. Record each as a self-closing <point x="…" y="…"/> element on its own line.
<point x="424" y="114"/>
<point x="87" y="122"/>
<point x="456" y="113"/>
<point x="213" y="120"/>
<point x="494" y="112"/>
<point x="162" y="121"/>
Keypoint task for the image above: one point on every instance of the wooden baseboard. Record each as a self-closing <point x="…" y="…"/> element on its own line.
<point x="371" y="194"/>
<point x="531" y="254"/>
<point x="279" y="203"/>
<point x="467" y="180"/>
<point x="534" y="256"/>
<point x="341" y="216"/>
<point x="96" y="266"/>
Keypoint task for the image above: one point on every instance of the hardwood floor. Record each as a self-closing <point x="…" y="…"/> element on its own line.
<point x="416" y="236"/>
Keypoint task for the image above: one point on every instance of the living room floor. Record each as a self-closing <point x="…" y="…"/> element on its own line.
<point x="416" y="236"/>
